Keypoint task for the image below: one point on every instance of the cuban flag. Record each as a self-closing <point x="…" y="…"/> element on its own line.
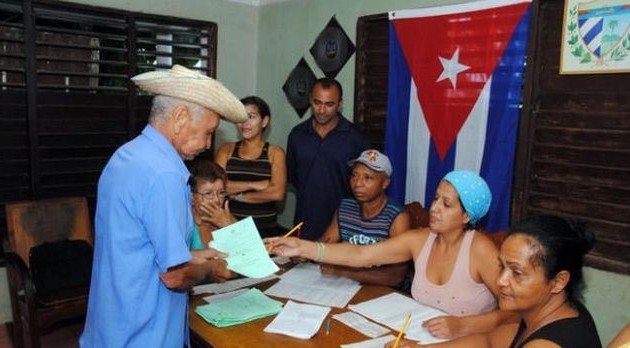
<point x="455" y="79"/>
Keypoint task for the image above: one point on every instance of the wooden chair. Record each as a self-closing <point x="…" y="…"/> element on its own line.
<point x="419" y="216"/>
<point x="498" y="237"/>
<point x="30" y="224"/>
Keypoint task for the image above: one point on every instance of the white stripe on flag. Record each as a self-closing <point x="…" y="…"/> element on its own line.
<point x="451" y="9"/>
<point x="471" y="138"/>
<point x="418" y="140"/>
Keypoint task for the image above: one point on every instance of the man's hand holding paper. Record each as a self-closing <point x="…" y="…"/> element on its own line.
<point x="247" y="254"/>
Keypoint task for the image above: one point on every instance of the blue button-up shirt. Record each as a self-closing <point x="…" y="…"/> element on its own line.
<point x="143" y="226"/>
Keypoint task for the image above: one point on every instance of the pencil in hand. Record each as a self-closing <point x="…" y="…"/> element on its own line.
<point x="402" y="330"/>
<point x="297" y="227"/>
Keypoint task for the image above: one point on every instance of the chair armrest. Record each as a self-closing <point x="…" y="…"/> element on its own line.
<point x="20" y="277"/>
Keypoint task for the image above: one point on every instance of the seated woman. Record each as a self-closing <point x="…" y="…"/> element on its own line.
<point x="257" y="174"/>
<point x="455" y="266"/>
<point x="368" y="217"/>
<point x="541" y="280"/>
<point x="210" y="209"/>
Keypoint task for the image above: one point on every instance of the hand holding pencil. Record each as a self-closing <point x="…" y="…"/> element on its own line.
<point x="286" y="235"/>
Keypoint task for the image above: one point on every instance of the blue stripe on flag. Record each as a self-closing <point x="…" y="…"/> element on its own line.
<point x="398" y="117"/>
<point x="503" y="119"/>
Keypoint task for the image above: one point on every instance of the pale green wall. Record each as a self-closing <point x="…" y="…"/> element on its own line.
<point x="607" y="296"/>
<point x="259" y="46"/>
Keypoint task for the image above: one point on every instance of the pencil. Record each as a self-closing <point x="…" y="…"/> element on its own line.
<point x="293" y="230"/>
<point x="288" y="233"/>
<point x="402" y="330"/>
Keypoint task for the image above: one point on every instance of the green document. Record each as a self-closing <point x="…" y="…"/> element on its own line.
<point x="246" y="307"/>
<point x="247" y="253"/>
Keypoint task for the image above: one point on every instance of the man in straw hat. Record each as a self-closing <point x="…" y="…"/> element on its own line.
<point x="142" y="263"/>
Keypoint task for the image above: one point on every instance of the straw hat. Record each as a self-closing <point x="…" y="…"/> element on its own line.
<point x="180" y="82"/>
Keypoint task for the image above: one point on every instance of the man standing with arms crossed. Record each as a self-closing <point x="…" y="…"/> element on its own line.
<point x="142" y="263"/>
<point x="318" y="151"/>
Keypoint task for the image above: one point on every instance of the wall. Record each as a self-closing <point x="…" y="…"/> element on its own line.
<point x="259" y="46"/>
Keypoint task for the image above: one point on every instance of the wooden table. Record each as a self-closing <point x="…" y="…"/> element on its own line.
<point x="251" y="334"/>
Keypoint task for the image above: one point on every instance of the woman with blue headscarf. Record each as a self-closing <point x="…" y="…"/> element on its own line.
<point x="456" y="268"/>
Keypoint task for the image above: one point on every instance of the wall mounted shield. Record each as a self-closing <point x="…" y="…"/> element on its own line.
<point x="298" y="87"/>
<point x="332" y="48"/>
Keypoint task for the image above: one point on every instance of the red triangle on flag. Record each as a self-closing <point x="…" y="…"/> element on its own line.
<point x="471" y="43"/>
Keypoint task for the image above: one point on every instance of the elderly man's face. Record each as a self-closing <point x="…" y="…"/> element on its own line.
<point x="195" y="134"/>
<point x="367" y="184"/>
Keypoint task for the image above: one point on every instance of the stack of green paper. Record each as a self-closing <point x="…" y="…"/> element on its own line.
<point x="246" y="307"/>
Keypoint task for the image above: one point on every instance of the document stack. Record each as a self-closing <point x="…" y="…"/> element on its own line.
<point x="248" y="306"/>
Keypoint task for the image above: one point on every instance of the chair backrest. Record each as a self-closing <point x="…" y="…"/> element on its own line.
<point x="418" y="215"/>
<point x="498" y="237"/>
<point x="31" y="223"/>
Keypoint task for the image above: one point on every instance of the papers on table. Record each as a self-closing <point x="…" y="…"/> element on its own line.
<point x="305" y="283"/>
<point x="247" y="254"/>
<point x="240" y="309"/>
<point x="373" y="343"/>
<point x="225" y="296"/>
<point x="298" y="320"/>
<point x="230" y="285"/>
<point x="361" y="324"/>
<point x="281" y="260"/>
<point x="391" y="310"/>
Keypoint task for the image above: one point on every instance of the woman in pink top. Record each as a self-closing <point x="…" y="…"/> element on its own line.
<point x="456" y="267"/>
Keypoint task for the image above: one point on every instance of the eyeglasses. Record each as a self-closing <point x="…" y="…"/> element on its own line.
<point x="206" y="195"/>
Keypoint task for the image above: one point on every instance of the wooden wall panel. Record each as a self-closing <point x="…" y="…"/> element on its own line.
<point x="574" y="156"/>
<point x="372" y="64"/>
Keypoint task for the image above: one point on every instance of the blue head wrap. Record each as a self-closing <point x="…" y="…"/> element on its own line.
<point x="473" y="192"/>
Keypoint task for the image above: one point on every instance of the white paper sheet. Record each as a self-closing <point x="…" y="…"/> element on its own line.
<point x="361" y="324"/>
<point x="391" y="310"/>
<point x="281" y="260"/>
<point x="298" y="320"/>
<point x="373" y="343"/>
<point x="224" y="296"/>
<point x="230" y="285"/>
<point x="305" y="283"/>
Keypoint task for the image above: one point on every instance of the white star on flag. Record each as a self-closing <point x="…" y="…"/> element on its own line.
<point x="452" y="68"/>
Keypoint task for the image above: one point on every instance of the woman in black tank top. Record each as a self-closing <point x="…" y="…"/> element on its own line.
<point x="541" y="282"/>
<point x="256" y="170"/>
